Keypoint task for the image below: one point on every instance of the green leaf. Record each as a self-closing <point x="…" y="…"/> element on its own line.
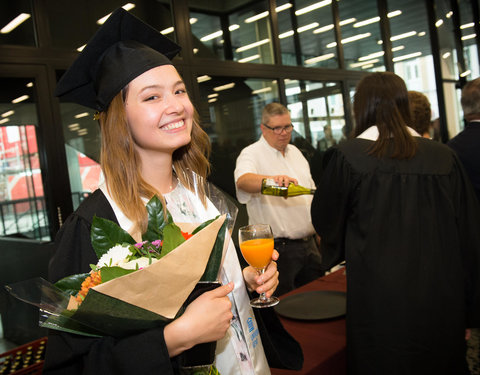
<point x="110" y="273"/>
<point x="106" y="234"/>
<point x="72" y="284"/>
<point x="156" y="220"/>
<point x="203" y="225"/>
<point x="172" y="237"/>
<point x="211" y="271"/>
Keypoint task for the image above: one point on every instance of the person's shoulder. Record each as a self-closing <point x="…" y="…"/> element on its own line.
<point x="96" y="204"/>
<point x="252" y="147"/>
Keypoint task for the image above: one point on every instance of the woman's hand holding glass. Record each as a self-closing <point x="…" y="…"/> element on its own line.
<point x="256" y="244"/>
<point x="266" y="283"/>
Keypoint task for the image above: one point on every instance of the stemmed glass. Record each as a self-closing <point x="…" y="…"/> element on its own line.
<point x="256" y="244"/>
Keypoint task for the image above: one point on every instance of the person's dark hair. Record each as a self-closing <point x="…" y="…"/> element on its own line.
<point x="420" y="111"/>
<point x="381" y="99"/>
<point x="471" y="100"/>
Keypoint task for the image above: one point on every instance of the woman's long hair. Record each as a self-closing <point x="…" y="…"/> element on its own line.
<point x="121" y="163"/>
<point x="381" y="99"/>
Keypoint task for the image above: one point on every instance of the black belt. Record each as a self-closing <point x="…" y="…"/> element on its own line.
<point x="304" y="239"/>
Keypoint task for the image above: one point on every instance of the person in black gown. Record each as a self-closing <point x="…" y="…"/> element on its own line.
<point x="400" y="210"/>
<point x="152" y="144"/>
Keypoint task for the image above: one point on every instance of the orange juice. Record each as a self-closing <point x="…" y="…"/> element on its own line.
<point x="257" y="252"/>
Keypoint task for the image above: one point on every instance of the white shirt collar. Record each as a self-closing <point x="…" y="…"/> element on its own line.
<point x="372" y="133"/>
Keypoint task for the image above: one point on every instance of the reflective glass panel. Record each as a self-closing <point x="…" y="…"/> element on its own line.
<point x="82" y="147"/>
<point x="412" y="55"/>
<point x="231" y="111"/>
<point x="314" y="30"/>
<point x="470" y="48"/>
<point x="361" y="38"/>
<point x="208" y="36"/>
<point x="22" y="201"/>
<point x="73" y="23"/>
<point x="318" y="118"/>
<point x="251" y="34"/>
<point x="448" y="53"/>
<point x="16" y="23"/>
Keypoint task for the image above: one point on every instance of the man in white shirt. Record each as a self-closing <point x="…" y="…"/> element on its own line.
<point x="273" y="157"/>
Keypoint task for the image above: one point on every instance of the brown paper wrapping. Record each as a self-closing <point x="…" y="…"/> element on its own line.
<point x="164" y="286"/>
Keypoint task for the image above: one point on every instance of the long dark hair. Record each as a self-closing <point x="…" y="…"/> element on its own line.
<point x="381" y="99"/>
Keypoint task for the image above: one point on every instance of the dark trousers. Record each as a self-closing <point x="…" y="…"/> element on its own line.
<point x="299" y="263"/>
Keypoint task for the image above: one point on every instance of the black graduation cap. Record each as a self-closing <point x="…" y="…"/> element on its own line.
<point x="123" y="48"/>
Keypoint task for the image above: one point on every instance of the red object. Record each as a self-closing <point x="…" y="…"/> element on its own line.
<point x="324" y="341"/>
<point x="36" y="367"/>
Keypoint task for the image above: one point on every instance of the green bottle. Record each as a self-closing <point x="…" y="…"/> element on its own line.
<point x="269" y="187"/>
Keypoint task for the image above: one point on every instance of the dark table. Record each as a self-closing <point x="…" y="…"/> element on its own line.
<point x="323" y="342"/>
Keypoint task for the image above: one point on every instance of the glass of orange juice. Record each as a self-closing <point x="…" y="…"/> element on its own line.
<point x="256" y="244"/>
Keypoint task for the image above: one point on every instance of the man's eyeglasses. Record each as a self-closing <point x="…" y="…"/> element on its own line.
<point x="279" y="129"/>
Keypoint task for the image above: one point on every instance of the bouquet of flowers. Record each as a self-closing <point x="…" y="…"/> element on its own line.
<point x="137" y="286"/>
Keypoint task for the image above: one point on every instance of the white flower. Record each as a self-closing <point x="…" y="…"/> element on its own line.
<point x="114" y="256"/>
<point x="141" y="262"/>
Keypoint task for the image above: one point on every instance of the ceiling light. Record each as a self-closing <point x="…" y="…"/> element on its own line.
<point x="312" y="7"/>
<point x="74" y="127"/>
<point x="323" y="29"/>
<point x="224" y="87"/>
<point x="213" y="100"/>
<point x="253" y="45"/>
<point x="465" y="73"/>
<point x="233" y="27"/>
<point x="80" y="49"/>
<point x="283" y="7"/>
<point x="203" y="78"/>
<point x="82" y="131"/>
<point x="20" y="99"/>
<point x="8" y="113"/>
<point x="17" y="21"/>
<point x="405" y="57"/>
<point x="439" y="23"/>
<point x="422" y="33"/>
<point x="398" y="48"/>
<point x="449" y="14"/>
<point x="394" y="13"/>
<point x="286" y="34"/>
<point x="467" y="25"/>
<point x="470" y="36"/>
<point x="446" y="55"/>
<point x="249" y="58"/>
<point x="262" y="90"/>
<point x="195" y="51"/>
<point x="371" y="56"/>
<point x="214" y="95"/>
<point x="402" y="36"/>
<point x="168" y="30"/>
<point x="363" y="63"/>
<point x="366" y="22"/>
<point x="347" y="21"/>
<point x="80" y="115"/>
<point x="3" y="121"/>
<point x="127" y="7"/>
<point x="307" y="27"/>
<point x="319" y="58"/>
<point x="256" y="17"/>
<point x="211" y="36"/>
<point x="193" y="20"/>
<point x="367" y="66"/>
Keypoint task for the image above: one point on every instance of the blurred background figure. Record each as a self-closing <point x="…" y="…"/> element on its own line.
<point x="328" y="140"/>
<point x="466" y="143"/>
<point x="421" y="113"/>
<point x="272" y="156"/>
<point x="400" y="210"/>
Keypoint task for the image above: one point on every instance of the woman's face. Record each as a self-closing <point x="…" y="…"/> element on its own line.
<point x="159" y="111"/>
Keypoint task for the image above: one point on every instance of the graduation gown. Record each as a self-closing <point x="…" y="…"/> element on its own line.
<point x="143" y="353"/>
<point x="409" y="232"/>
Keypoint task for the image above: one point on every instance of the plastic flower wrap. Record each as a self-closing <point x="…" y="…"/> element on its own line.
<point x="134" y="286"/>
